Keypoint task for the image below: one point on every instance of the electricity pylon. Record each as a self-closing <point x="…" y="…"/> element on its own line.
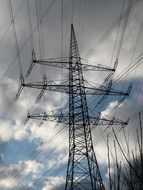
<point x="83" y="169"/>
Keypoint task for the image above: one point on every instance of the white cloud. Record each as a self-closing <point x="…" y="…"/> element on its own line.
<point x="12" y="176"/>
<point x="21" y="133"/>
<point x="49" y="131"/>
<point x="57" y="160"/>
<point x="9" y="131"/>
<point x="6" y="131"/>
<point x="53" y="182"/>
<point x="11" y="116"/>
<point x="32" y="166"/>
<point x="7" y="180"/>
<point x="109" y="108"/>
<point x="10" y="183"/>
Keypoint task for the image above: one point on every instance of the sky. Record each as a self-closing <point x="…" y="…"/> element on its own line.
<point x="34" y="155"/>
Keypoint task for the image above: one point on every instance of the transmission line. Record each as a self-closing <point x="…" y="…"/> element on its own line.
<point x="29" y="37"/>
<point x="115" y="23"/>
<point x="11" y="23"/>
<point x="32" y="155"/>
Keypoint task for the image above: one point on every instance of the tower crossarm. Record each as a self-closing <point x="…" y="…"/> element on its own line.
<point x="107" y="122"/>
<point x="100" y="91"/>
<point x="50" y="86"/>
<point x="64" y="88"/>
<point x="64" y="118"/>
<point x="64" y="63"/>
<point x="58" y="117"/>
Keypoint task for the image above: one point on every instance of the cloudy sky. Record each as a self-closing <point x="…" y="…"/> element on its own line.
<point x="34" y="155"/>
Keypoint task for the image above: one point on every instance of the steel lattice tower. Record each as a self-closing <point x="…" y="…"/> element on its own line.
<point x="83" y="170"/>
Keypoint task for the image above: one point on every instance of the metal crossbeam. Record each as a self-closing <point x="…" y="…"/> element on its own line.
<point x="64" y="88"/>
<point x="64" y="64"/>
<point x="64" y="118"/>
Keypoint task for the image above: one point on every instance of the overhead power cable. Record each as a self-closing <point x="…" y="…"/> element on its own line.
<point x="29" y="37"/>
<point x="32" y="155"/>
<point x="125" y="23"/>
<point x="38" y="6"/>
<point x="126" y="71"/>
<point x="132" y="117"/>
<point x="120" y="43"/>
<point x="44" y="174"/>
<point x="11" y="23"/>
<point x="117" y="33"/>
<point x="112" y="26"/>
<point x="30" y="24"/>
<point x="138" y="61"/>
<point x="15" y="34"/>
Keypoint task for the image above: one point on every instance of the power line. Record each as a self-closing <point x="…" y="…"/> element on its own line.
<point x="44" y="174"/>
<point x="8" y="27"/>
<point x="111" y="27"/>
<point x="30" y="24"/>
<point x="32" y="155"/>
<point x="15" y="35"/>
<point x="29" y="37"/>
